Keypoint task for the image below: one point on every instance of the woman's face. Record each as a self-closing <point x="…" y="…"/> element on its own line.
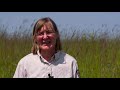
<point x="46" y="38"/>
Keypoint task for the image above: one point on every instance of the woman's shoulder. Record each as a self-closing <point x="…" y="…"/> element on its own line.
<point x="67" y="56"/>
<point x="27" y="58"/>
<point x="30" y="55"/>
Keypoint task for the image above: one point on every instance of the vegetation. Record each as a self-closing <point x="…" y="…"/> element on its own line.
<point x="98" y="56"/>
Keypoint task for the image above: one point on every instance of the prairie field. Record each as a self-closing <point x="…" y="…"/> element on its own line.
<point x="97" y="56"/>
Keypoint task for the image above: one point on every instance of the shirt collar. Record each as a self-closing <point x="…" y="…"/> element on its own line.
<point x="54" y="58"/>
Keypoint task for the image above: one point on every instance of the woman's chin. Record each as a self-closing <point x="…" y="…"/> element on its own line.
<point x="45" y="48"/>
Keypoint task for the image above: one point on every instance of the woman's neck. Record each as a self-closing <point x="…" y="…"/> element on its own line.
<point x="47" y="55"/>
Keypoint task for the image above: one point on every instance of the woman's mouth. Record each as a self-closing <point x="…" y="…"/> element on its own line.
<point x="46" y="42"/>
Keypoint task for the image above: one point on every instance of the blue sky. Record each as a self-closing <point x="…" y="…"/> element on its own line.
<point x="64" y="19"/>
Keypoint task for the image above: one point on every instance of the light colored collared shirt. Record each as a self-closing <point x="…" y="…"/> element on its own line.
<point x="61" y="65"/>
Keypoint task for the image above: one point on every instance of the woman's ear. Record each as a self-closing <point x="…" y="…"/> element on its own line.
<point x="35" y="40"/>
<point x="57" y="36"/>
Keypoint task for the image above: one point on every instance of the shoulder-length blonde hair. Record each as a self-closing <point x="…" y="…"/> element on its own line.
<point x="38" y="25"/>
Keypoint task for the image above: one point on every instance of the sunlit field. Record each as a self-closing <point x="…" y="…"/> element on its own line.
<point x="97" y="56"/>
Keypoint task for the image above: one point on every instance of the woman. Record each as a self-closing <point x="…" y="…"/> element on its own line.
<point x="47" y="60"/>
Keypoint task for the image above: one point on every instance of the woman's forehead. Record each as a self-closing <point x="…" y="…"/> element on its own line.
<point x="46" y="27"/>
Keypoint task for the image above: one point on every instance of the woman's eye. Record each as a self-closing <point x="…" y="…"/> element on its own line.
<point x="39" y="33"/>
<point x="47" y="32"/>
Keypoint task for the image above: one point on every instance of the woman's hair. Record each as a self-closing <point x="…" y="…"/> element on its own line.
<point x="38" y="25"/>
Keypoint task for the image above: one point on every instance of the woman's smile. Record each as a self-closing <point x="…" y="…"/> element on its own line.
<point x="46" y="42"/>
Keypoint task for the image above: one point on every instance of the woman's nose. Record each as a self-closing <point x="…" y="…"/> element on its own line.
<point x="45" y="35"/>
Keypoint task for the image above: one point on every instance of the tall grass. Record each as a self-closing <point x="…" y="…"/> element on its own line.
<point x="97" y="56"/>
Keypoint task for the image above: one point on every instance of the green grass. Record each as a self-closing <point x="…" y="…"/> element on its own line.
<point x="96" y="57"/>
<point x="11" y="51"/>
